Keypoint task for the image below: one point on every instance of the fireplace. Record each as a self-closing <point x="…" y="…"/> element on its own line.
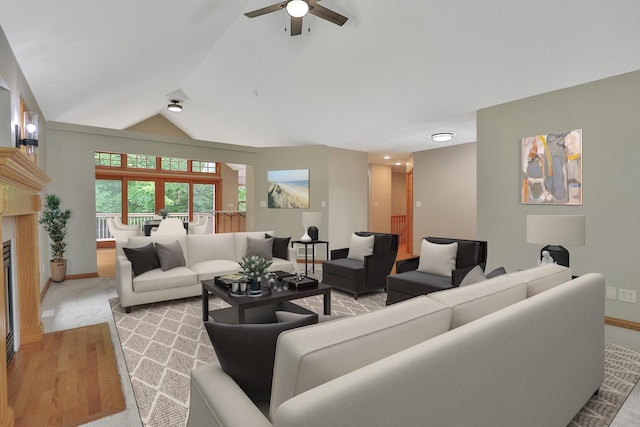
<point x="21" y="182"/>
<point x="8" y="286"/>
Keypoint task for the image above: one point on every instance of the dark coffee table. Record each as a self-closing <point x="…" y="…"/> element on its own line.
<point x="260" y="309"/>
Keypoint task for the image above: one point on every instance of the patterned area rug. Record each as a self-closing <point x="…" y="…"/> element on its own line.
<point x="164" y="342"/>
<point x="621" y="373"/>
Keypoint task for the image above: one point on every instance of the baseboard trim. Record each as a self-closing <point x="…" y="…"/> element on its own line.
<point x="621" y="323"/>
<point x="70" y="277"/>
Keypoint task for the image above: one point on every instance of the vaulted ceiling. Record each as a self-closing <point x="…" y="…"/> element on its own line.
<point x="393" y="74"/>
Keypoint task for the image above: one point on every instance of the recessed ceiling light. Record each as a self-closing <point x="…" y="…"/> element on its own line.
<point x="398" y="163"/>
<point x="442" y="136"/>
<point x="386" y="157"/>
<point x="175" y="106"/>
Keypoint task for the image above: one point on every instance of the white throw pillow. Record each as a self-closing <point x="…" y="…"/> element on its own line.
<point x="436" y="258"/>
<point x="360" y="247"/>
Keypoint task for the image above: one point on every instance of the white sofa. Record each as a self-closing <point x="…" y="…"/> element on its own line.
<point x="524" y="349"/>
<point x="206" y="256"/>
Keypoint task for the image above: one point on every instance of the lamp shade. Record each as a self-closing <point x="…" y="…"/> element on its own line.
<point x="312" y="218"/>
<point x="558" y="230"/>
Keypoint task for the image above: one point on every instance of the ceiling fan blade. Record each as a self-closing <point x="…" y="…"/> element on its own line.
<point x="296" y="26"/>
<point x="265" y="10"/>
<point x="329" y="15"/>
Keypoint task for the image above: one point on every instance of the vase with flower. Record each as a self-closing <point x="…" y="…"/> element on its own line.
<point x="254" y="268"/>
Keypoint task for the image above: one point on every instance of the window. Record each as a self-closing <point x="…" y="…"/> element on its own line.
<point x="203" y="167"/>
<point x="141" y="161"/>
<point x="173" y="164"/>
<point x="108" y="160"/>
<point x="137" y="186"/>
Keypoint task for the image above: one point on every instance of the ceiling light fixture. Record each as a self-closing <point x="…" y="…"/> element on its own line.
<point x="175" y="106"/>
<point x="442" y="136"/>
<point x="297" y="8"/>
<point x="386" y="157"/>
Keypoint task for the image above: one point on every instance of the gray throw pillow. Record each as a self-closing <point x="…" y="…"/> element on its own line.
<point x="246" y="352"/>
<point x="142" y="259"/>
<point x="474" y="275"/>
<point x="260" y="247"/>
<point x="170" y="255"/>
<point x="497" y="272"/>
<point x="280" y="246"/>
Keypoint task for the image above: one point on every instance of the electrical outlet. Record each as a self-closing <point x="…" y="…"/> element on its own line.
<point x="627" y="295"/>
<point x="612" y="292"/>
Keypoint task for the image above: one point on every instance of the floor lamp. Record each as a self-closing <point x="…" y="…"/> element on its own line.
<point x="555" y="231"/>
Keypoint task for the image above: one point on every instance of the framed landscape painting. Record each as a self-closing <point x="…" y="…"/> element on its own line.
<point x="288" y="189"/>
<point x="551" y="169"/>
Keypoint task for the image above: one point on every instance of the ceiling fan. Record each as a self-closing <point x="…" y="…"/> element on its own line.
<point x="297" y="9"/>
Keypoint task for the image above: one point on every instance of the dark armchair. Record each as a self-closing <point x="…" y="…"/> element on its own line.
<point x="358" y="277"/>
<point x="408" y="282"/>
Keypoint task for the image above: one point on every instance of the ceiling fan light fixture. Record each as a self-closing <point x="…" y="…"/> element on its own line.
<point x="442" y="136"/>
<point x="175" y="106"/>
<point x="297" y="8"/>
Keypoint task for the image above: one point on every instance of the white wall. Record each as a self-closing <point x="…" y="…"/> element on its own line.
<point x="444" y="182"/>
<point x="607" y="111"/>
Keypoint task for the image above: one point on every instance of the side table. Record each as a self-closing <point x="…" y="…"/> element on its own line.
<point x="313" y="244"/>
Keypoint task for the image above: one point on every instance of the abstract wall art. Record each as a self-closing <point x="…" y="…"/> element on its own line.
<point x="551" y="169"/>
<point x="288" y="188"/>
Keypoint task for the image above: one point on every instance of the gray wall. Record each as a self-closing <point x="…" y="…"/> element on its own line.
<point x="444" y="181"/>
<point x="347" y="195"/>
<point x="14" y="86"/>
<point x="608" y="112"/>
<point x="337" y="188"/>
<point x="70" y="165"/>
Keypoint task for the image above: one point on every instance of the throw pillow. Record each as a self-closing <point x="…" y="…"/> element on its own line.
<point x="360" y="247"/>
<point x="170" y="255"/>
<point x="246" y="352"/>
<point x="437" y="258"/>
<point x="497" y="272"/>
<point x="260" y="247"/>
<point x="280" y="246"/>
<point x="142" y="259"/>
<point x="474" y="275"/>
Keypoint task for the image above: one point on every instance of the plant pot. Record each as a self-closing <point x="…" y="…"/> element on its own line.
<point x="58" y="270"/>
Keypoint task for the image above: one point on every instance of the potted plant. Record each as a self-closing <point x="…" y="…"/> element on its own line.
<point x="55" y="222"/>
<point x="163" y="213"/>
<point x="254" y="268"/>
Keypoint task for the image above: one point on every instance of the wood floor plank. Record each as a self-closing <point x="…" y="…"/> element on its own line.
<point x="67" y="379"/>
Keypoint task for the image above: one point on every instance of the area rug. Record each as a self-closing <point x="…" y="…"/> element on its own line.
<point x="164" y="342"/>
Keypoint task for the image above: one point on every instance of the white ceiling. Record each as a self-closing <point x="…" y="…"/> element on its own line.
<point x="393" y="74"/>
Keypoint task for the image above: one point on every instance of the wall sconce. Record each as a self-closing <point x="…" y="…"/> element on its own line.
<point x="28" y="142"/>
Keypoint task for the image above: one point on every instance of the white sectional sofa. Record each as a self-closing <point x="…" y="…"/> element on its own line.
<point x="523" y="349"/>
<point x="206" y="256"/>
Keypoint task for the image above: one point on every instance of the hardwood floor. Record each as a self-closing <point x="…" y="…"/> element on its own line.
<point x="106" y="259"/>
<point x="67" y="379"/>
